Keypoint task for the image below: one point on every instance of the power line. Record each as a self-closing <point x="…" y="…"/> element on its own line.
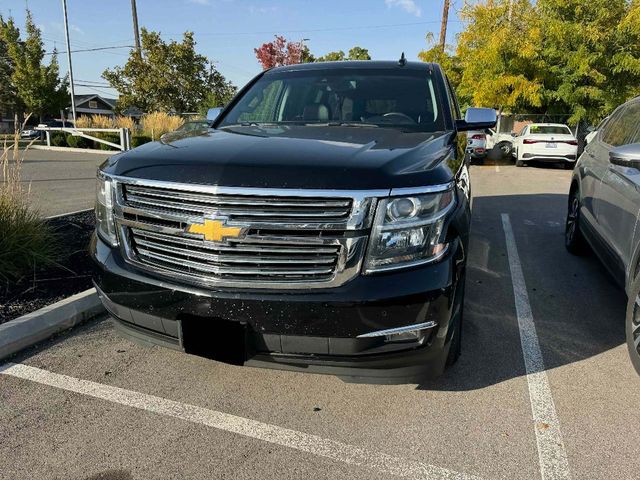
<point x="334" y="29"/>
<point x="92" y="49"/>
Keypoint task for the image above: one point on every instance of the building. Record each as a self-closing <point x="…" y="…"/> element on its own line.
<point x="92" y="104"/>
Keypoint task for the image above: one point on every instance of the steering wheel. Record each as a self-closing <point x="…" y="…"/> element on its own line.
<point x="399" y="114"/>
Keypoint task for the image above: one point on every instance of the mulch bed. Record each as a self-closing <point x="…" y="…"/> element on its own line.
<point x="52" y="283"/>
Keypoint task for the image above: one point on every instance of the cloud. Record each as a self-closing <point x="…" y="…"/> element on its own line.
<point x="408" y="6"/>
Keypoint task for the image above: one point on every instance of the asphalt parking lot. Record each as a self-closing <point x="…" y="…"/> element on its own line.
<point x="61" y="182"/>
<point x="544" y="388"/>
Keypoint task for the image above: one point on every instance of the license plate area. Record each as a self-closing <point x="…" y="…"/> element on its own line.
<point x="551" y="145"/>
<point x="215" y="338"/>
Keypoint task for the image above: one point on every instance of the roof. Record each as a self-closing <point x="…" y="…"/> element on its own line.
<point x="549" y="124"/>
<point x="80" y="99"/>
<point x="382" y="64"/>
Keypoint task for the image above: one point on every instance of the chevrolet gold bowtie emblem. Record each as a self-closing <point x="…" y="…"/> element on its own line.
<point x="215" y="230"/>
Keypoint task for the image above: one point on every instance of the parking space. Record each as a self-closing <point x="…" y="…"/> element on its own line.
<point x="91" y="405"/>
<point x="61" y="182"/>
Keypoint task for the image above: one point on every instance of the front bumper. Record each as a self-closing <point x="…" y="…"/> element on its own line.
<point x="314" y="331"/>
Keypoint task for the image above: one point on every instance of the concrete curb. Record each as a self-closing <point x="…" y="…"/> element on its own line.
<point x="71" y="149"/>
<point x="37" y="326"/>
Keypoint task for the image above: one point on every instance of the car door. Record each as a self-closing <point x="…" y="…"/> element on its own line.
<point x="618" y="198"/>
<point x="517" y="141"/>
<point x="592" y="169"/>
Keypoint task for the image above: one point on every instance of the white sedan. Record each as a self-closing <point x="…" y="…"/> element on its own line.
<point x="545" y="142"/>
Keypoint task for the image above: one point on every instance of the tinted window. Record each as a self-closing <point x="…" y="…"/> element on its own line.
<point x="549" y="130"/>
<point x="404" y="99"/>
<point x="627" y="127"/>
<point x="611" y="132"/>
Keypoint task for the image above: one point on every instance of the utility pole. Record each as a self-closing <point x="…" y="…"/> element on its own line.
<point x="443" y="27"/>
<point x="136" y="32"/>
<point x="66" y="33"/>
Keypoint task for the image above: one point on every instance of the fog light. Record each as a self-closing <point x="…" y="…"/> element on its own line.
<point x="414" y="336"/>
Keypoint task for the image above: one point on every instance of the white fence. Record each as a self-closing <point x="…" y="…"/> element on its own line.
<point x="125" y="135"/>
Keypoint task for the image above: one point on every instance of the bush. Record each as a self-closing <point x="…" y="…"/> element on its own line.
<point x="138" y="140"/>
<point x="58" y="139"/>
<point x="26" y="240"/>
<point x="78" y="142"/>
<point x="156" y="124"/>
<point x="109" y="137"/>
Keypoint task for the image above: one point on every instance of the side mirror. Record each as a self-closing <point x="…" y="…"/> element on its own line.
<point x="514" y="134"/>
<point x="477" y="119"/>
<point x="213" y="113"/>
<point x="626" y="156"/>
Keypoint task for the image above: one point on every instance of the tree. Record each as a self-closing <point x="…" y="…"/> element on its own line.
<point x="281" y="52"/>
<point x="359" y="53"/>
<point x="168" y="77"/>
<point x="8" y="96"/>
<point x="356" y="53"/>
<point x="592" y="55"/>
<point x="34" y="86"/>
<point x="574" y="57"/>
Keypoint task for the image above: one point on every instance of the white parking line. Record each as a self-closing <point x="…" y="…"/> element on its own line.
<point x="497" y="168"/>
<point x="68" y="213"/>
<point x="285" y="437"/>
<point x="551" y="451"/>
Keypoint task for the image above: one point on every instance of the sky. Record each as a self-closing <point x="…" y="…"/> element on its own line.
<point x="227" y="31"/>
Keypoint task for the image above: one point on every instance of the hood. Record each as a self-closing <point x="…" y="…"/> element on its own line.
<point x="306" y="157"/>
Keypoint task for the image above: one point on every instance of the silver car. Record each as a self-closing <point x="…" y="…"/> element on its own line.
<point x="604" y="207"/>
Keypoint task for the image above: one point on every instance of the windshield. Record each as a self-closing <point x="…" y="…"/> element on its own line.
<point x="549" y="129"/>
<point x="403" y="99"/>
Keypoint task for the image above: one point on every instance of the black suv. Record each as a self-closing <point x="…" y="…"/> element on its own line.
<point x="320" y="225"/>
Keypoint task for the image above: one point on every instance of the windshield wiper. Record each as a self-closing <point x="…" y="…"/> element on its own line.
<point x="343" y="124"/>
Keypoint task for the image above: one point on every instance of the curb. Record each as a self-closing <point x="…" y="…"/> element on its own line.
<point x="37" y="326"/>
<point x="71" y="149"/>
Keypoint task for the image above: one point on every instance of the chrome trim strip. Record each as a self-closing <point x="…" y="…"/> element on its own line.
<point x="405" y="329"/>
<point x="397" y="192"/>
<point x="251" y="191"/>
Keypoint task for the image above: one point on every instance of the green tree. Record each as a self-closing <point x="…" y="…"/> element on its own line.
<point x="359" y="53"/>
<point x="356" y="53"/>
<point x="34" y="86"/>
<point x="169" y="77"/>
<point x="591" y="53"/>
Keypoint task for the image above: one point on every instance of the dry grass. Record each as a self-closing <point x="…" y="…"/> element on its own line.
<point x="83" y="122"/>
<point x="25" y="239"/>
<point x="156" y="124"/>
<point x="124" y="122"/>
<point x="103" y="121"/>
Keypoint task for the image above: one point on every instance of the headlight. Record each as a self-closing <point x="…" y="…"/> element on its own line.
<point x="408" y="231"/>
<point x="105" y="225"/>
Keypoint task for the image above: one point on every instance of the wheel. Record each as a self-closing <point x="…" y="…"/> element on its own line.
<point x="633" y="325"/>
<point x="519" y="163"/>
<point x="505" y="148"/>
<point x="573" y="238"/>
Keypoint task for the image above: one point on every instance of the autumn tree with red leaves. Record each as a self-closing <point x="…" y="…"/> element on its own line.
<point x="279" y="52"/>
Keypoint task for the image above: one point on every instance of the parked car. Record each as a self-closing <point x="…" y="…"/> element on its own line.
<point x="477" y="144"/>
<point x="193" y="127"/>
<point x="545" y="142"/>
<point x="29" y="133"/>
<point x="604" y="207"/>
<point x="500" y="141"/>
<point x="321" y="225"/>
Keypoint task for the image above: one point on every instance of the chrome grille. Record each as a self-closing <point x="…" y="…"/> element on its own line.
<point x="293" y="239"/>
<point x="257" y="210"/>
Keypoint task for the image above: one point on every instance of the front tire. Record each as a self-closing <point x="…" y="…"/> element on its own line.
<point x="633" y="325"/>
<point x="573" y="239"/>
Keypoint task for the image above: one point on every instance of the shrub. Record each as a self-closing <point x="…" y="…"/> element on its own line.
<point x="138" y="140"/>
<point x="58" y="139"/>
<point x="101" y="121"/>
<point x="156" y="124"/>
<point x="26" y="240"/>
<point x="83" y="122"/>
<point x="124" y="122"/>
<point x="78" y="142"/>
<point x="109" y="137"/>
